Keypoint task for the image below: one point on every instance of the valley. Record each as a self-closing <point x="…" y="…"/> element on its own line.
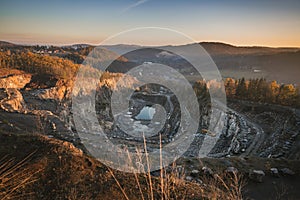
<point x="246" y="135"/>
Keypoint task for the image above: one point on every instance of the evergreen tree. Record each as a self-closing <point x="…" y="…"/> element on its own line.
<point x="241" y="90"/>
<point x="287" y="95"/>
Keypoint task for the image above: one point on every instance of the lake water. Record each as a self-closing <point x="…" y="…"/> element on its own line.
<point x="146" y="113"/>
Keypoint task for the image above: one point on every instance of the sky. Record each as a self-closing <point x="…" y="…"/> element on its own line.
<point x="245" y="23"/>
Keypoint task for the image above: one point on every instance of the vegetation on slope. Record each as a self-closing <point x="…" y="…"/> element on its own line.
<point x="260" y="90"/>
<point x="40" y="64"/>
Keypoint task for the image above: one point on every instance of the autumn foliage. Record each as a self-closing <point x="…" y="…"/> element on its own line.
<point x="261" y="90"/>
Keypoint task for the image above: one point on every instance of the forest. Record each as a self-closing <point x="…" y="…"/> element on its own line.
<point x="261" y="90"/>
<point x="61" y="68"/>
<point x="255" y="90"/>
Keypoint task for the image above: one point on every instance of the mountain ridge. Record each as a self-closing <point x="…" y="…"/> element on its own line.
<point x="8" y="43"/>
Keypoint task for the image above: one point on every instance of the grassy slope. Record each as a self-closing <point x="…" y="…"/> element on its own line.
<point x="66" y="173"/>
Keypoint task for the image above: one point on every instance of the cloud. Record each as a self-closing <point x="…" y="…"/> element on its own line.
<point x="138" y="3"/>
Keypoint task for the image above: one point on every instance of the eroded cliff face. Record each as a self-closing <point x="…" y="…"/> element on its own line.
<point x="14" y="79"/>
<point x="34" y="105"/>
<point x="255" y="130"/>
<point x="279" y="127"/>
<point x="263" y="131"/>
<point x="42" y="104"/>
<point x="12" y="100"/>
<point x="59" y="92"/>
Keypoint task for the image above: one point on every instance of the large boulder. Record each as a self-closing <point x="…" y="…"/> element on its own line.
<point x="232" y="170"/>
<point x="257" y="175"/>
<point x="207" y="171"/>
<point x="274" y="172"/>
<point x="287" y="171"/>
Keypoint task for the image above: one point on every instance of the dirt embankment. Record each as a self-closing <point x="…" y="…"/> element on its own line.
<point x="64" y="172"/>
<point x="280" y="124"/>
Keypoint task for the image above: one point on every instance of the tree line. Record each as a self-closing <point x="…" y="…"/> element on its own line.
<point x="41" y="64"/>
<point x="256" y="90"/>
<point x="261" y="90"/>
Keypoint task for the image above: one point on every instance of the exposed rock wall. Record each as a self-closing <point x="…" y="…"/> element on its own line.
<point x="62" y="90"/>
<point x="11" y="100"/>
<point x="15" y="81"/>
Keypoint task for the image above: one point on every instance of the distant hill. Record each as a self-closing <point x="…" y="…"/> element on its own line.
<point x="7" y="44"/>
<point x="78" y="46"/>
<point x="281" y="64"/>
<point x="216" y="48"/>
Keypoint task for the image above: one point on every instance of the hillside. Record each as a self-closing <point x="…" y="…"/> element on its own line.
<point x="280" y="64"/>
<point x="64" y="172"/>
<point x="217" y="48"/>
<point x="258" y="141"/>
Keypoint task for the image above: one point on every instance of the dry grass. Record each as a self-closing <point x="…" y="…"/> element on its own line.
<point x="14" y="176"/>
<point x="225" y="186"/>
<point x="281" y="192"/>
<point x="165" y="187"/>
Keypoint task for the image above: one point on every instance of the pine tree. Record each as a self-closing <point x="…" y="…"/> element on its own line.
<point x="287" y="95"/>
<point x="241" y="90"/>
<point x="230" y="87"/>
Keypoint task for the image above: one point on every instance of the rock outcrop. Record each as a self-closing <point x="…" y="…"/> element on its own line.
<point x="257" y="175"/>
<point x="61" y="90"/>
<point x="16" y="81"/>
<point x="12" y="100"/>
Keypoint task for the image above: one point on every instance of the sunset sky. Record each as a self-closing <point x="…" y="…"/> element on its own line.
<point x="256" y="22"/>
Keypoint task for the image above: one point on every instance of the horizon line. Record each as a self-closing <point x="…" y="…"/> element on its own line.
<point x="93" y="44"/>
